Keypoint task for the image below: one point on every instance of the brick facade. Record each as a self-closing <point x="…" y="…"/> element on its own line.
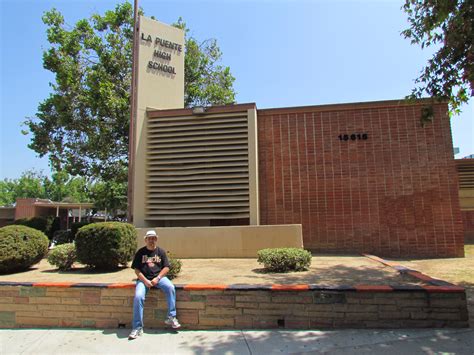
<point x="394" y="193"/>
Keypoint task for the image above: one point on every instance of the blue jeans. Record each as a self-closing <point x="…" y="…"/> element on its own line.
<point x="140" y="293"/>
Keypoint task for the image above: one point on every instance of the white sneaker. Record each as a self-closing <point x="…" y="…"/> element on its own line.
<point x="135" y="333"/>
<point x="173" y="321"/>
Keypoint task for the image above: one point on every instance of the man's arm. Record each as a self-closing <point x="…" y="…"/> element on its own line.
<point x="143" y="279"/>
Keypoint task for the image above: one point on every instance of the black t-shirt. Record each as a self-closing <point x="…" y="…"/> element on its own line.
<point x="150" y="262"/>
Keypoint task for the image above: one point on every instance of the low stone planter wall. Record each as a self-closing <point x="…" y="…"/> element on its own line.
<point x="79" y="305"/>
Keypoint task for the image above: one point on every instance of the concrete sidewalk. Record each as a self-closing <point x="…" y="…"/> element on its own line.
<point x="114" y="341"/>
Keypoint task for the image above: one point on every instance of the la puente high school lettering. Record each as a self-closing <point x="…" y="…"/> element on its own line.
<point x="158" y="54"/>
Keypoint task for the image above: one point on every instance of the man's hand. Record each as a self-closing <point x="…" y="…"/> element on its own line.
<point x="148" y="283"/>
<point x="155" y="280"/>
<point x="143" y="279"/>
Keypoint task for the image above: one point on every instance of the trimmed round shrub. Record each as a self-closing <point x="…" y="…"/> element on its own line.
<point x="63" y="256"/>
<point x="42" y="224"/>
<point x="62" y="237"/>
<point x="76" y="226"/>
<point x="284" y="259"/>
<point x="106" y="245"/>
<point x="21" y="247"/>
<point x="175" y="266"/>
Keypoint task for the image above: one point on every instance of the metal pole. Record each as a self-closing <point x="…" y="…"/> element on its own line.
<point x="133" y="112"/>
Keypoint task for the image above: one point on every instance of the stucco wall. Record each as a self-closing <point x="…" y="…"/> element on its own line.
<point x="224" y="242"/>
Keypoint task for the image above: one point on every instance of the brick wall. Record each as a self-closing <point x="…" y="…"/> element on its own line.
<point x="236" y="307"/>
<point x="393" y="194"/>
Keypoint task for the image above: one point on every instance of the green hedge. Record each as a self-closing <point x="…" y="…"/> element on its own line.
<point x="42" y="224"/>
<point x="76" y="226"/>
<point x="284" y="259"/>
<point x="106" y="245"/>
<point x="62" y="237"/>
<point x="21" y="247"/>
<point x="63" y="256"/>
<point x="47" y="224"/>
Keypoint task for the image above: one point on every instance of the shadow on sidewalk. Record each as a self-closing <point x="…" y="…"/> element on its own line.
<point x="122" y="333"/>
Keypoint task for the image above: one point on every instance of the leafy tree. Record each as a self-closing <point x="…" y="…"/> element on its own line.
<point x="7" y="192"/>
<point x="449" y="26"/>
<point x="110" y="196"/>
<point x="205" y="81"/>
<point x="65" y="188"/>
<point x="32" y="184"/>
<point x="77" y="190"/>
<point x="83" y="125"/>
<point x="56" y="188"/>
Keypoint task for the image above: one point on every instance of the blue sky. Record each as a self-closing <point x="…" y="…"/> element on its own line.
<point x="282" y="53"/>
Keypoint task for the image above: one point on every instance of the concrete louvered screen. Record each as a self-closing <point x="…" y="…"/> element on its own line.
<point x="198" y="167"/>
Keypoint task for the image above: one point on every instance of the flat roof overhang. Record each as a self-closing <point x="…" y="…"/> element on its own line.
<point x="64" y="205"/>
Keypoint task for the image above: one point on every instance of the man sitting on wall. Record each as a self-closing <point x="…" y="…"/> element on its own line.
<point x="151" y="266"/>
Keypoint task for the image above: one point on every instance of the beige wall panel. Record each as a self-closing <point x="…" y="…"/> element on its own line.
<point x="466" y="199"/>
<point x="224" y="242"/>
<point x="156" y="89"/>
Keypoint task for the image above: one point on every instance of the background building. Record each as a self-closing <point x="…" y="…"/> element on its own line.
<point x="364" y="177"/>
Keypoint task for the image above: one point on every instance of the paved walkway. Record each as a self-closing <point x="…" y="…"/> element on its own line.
<point x="114" y="341"/>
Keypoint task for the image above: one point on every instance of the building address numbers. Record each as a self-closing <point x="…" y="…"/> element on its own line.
<point x="353" y="136"/>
